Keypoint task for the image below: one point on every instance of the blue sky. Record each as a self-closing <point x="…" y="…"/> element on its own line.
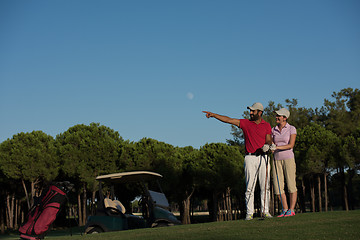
<point x="148" y="68"/>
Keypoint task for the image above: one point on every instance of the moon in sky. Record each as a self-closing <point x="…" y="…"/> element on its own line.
<point x="190" y="96"/>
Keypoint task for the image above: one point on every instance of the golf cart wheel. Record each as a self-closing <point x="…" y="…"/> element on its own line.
<point x="93" y="230"/>
<point x="162" y="224"/>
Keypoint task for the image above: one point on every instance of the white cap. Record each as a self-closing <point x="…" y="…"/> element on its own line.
<point x="256" y="106"/>
<point x="283" y="112"/>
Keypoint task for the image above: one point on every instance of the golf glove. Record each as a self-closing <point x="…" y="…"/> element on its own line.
<point x="273" y="147"/>
<point x="265" y="148"/>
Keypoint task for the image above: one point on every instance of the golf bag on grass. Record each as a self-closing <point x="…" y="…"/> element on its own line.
<point x="44" y="213"/>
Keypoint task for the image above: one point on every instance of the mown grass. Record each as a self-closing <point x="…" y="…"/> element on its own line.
<point x="329" y="225"/>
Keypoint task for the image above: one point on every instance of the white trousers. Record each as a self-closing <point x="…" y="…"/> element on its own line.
<point x="255" y="167"/>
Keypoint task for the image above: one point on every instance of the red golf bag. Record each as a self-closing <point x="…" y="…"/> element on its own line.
<point x="44" y="213"/>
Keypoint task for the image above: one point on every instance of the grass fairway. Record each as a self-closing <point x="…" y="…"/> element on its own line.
<point x="330" y="225"/>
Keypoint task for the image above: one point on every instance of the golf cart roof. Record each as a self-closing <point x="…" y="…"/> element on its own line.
<point x="125" y="177"/>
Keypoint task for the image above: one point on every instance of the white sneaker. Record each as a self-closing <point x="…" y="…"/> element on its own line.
<point x="268" y="215"/>
<point x="249" y="217"/>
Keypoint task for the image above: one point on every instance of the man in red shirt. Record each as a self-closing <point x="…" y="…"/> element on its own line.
<point x="257" y="133"/>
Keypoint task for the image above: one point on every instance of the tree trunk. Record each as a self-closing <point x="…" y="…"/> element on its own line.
<point x="303" y="196"/>
<point x="93" y="205"/>
<point x="2" y="220"/>
<point x="319" y="193"/>
<point x="22" y="216"/>
<point x="219" y="215"/>
<point x="185" y="207"/>
<point x="26" y="194"/>
<point x="80" y="210"/>
<point x="345" y="195"/>
<point x="326" y="192"/>
<point x="346" y="199"/>
<point x="16" y="214"/>
<point x="185" y="213"/>
<point x="84" y="205"/>
<point x="35" y="192"/>
<point x="10" y="200"/>
<point x="214" y="208"/>
<point x="228" y="204"/>
<point x="225" y="208"/>
<point x="312" y="193"/>
<point x="351" y="174"/>
<point x="32" y="193"/>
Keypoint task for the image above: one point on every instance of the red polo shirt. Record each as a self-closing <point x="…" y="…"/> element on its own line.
<point x="255" y="134"/>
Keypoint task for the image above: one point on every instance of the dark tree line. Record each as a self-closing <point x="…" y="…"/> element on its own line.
<point x="327" y="157"/>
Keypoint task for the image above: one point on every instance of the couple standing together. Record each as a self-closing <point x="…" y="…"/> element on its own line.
<point x="259" y="138"/>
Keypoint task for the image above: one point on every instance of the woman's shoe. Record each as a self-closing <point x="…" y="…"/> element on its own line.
<point x="283" y="213"/>
<point x="289" y="213"/>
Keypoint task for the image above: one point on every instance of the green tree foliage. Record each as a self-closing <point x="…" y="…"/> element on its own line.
<point x="86" y="152"/>
<point x="222" y="168"/>
<point x="350" y="159"/>
<point x="238" y="138"/>
<point x="316" y="149"/>
<point x="316" y="152"/>
<point x="223" y="165"/>
<point x="300" y="116"/>
<point x="342" y="116"/>
<point x="177" y="165"/>
<point x="350" y="150"/>
<point x="188" y="170"/>
<point x="126" y="159"/>
<point x="151" y="155"/>
<point x="148" y="154"/>
<point x="89" y="151"/>
<point x="185" y="179"/>
<point x="269" y="113"/>
<point x="29" y="157"/>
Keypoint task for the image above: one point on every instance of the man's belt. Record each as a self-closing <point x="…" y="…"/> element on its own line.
<point x="257" y="153"/>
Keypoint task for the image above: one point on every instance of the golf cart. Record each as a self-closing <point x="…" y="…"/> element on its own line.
<point x="111" y="215"/>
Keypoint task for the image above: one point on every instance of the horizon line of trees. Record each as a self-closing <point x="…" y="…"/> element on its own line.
<point x="326" y="153"/>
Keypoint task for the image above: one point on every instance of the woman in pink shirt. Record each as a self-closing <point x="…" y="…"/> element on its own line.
<point x="284" y="167"/>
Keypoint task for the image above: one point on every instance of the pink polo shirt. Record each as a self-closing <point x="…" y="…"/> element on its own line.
<point x="283" y="138"/>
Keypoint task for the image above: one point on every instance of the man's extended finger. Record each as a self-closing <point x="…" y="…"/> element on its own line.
<point x="208" y="114"/>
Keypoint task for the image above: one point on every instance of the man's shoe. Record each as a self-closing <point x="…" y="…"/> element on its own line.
<point x="268" y="215"/>
<point x="283" y="213"/>
<point x="249" y="217"/>
<point x="289" y="213"/>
